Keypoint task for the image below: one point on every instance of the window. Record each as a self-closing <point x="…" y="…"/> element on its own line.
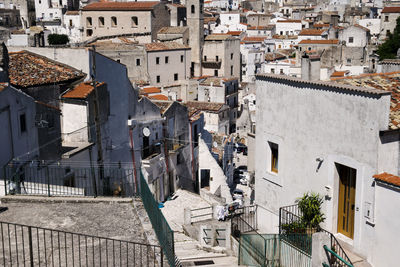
<point x="192" y="9"/>
<point x="114" y="22"/>
<point x="70" y="22"/>
<point x="231" y="56"/>
<point x="89" y="32"/>
<point x="386" y="18"/>
<point x="216" y="58"/>
<point x="351" y="39"/>
<point x="22" y="123"/>
<point x="158" y="79"/>
<point x="157" y="60"/>
<point x="101" y="22"/>
<point x="175" y="76"/>
<point x="205" y="58"/>
<point x="231" y="70"/>
<point x="88" y="22"/>
<point x="272" y="70"/>
<point x="138" y="62"/>
<point x="281" y="71"/>
<point x="182" y="58"/>
<point x="179" y="159"/>
<point x="216" y="73"/>
<point x="274" y="156"/>
<point x="166" y="60"/>
<point x="349" y="61"/>
<point x="387" y="32"/>
<point x="134" y="21"/>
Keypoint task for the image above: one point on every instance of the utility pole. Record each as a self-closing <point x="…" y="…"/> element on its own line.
<point x="97" y="123"/>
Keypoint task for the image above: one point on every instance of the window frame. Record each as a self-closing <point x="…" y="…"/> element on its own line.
<point x="274" y="147"/>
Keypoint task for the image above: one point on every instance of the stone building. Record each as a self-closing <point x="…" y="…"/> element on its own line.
<point x="221" y="56"/>
<point x="195" y="22"/>
<point x="26" y="11"/>
<point x="389" y="16"/>
<point x="124" y="18"/>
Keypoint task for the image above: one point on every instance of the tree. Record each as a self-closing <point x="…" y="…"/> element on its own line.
<point x="388" y="50"/>
<point x="57" y="39"/>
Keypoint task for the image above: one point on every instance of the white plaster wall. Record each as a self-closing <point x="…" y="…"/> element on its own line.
<point x="315" y="123"/>
<point x="288" y="28"/>
<point x="359" y="36"/>
<point x="219" y="180"/>
<point x="229" y="18"/>
<point x="18" y="40"/>
<point x="74" y="118"/>
<point x="387" y="214"/>
<point x="372" y="24"/>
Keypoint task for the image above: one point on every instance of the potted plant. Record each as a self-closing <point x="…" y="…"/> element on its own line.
<point x="310" y="207"/>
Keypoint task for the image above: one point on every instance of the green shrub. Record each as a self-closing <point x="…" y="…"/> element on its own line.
<point x="57" y="39"/>
<point x="310" y="206"/>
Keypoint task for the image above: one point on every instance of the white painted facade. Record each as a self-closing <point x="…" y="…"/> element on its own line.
<point x="49" y="10"/>
<point x="337" y="126"/>
<point x="72" y="24"/>
<point x="287" y="28"/>
<point x="229" y="19"/>
<point x="252" y="60"/>
<point x="354" y="36"/>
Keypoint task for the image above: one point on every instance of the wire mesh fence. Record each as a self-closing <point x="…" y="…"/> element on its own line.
<point x="23" y="245"/>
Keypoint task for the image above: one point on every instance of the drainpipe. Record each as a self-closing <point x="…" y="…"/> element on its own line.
<point x="133" y="158"/>
<point x="166" y="155"/>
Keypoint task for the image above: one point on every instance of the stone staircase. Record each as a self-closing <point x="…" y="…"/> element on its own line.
<point x="356" y="259"/>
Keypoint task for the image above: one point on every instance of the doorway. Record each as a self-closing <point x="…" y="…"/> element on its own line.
<point x="347" y="197"/>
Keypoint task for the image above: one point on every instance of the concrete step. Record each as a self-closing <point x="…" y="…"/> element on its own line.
<point x="356" y="259"/>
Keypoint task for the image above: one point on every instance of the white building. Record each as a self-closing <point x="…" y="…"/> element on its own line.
<point x="355" y="36"/>
<point x="288" y="27"/>
<point x="344" y="135"/>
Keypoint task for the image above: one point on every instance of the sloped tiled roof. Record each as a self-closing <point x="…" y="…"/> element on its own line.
<point x="173" y="30"/>
<point x="254" y="39"/>
<point x="164" y="104"/>
<point x="312" y="32"/>
<point x="82" y="90"/>
<point x="219" y="37"/>
<point x="121" y="6"/>
<point x="194" y="106"/>
<point x="337" y="74"/>
<point x="319" y="42"/>
<point x="391" y="9"/>
<point x="165" y="46"/>
<point x="27" y="69"/>
<point x="389" y="82"/>
<point x="150" y="90"/>
<point x="289" y="21"/>
<point x="388" y="178"/>
<point x="158" y="97"/>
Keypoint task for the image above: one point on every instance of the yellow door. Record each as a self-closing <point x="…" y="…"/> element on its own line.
<point x="347" y="197"/>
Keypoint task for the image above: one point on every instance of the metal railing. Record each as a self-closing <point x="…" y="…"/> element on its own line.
<point x="334" y="257"/>
<point x="24" y="245"/>
<point x="290" y="223"/>
<point x="160" y="225"/>
<point x="201" y="214"/>
<point x="68" y="181"/>
<point x="244" y="220"/>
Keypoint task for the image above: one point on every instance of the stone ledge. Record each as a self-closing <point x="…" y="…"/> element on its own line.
<point x="56" y="199"/>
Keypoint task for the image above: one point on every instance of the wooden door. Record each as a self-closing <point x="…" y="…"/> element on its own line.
<point x="347" y="197"/>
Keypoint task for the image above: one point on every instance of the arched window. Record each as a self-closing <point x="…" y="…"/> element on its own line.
<point x="114" y="22"/>
<point x="193" y="9"/>
<point x="134" y="21"/>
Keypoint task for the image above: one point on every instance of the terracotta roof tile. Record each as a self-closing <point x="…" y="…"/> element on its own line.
<point x="121" y="6"/>
<point x="194" y="106"/>
<point x="254" y="39"/>
<point x="319" y="42"/>
<point x="321" y="25"/>
<point x="289" y="21"/>
<point x="72" y="12"/>
<point x="27" y="69"/>
<point x="150" y="90"/>
<point x="82" y="90"/>
<point x="158" y="97"/>
<point x="234" y="33"/>
<point x="340" y="73"/>
<point x="313" y="32"/>
<point x="391" y="9"/>
<point x="388" y="178"/>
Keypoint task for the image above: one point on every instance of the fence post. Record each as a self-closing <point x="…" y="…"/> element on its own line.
<point x="30" y="245"/>
<point x="48" y="181"/>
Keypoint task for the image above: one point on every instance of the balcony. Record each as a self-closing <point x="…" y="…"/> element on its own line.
<point x="151" y="151"/>
<point x="211" y="64"/>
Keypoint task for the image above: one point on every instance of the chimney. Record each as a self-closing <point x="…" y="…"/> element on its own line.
<point x="310" y="67"/>
<point x="4" y="60"/>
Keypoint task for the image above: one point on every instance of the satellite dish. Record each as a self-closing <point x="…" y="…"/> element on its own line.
<point x="146" y="131"/>
<point x="215" y="144"/>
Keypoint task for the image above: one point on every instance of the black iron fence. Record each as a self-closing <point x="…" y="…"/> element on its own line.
<point x="290" y="225"/>
<point x="244" y="220"/>
<point x="23" y="245"/>
<point x="68" y="181"/>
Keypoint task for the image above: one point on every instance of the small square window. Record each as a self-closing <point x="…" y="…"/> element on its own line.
<point x="138" y="62"/>
<point x="274" y="156"/>
<point x="166" y="60"/>
<point x="134" y="21"/>
<point x="182" y="58"/>
<point x="386" y="18"/>
<point x="217" y="58"/>
<point x="216" y="73"/>
<point x="114" y="22"/>
<point x="158" y="79"/>
<point x="22" y="123"/>
<point x="175" y="76"/>
<point x="349" y="61"/>
<point x="89" y="32"/>
<point x="351" y="39"/>
<point x="157" y="60"/>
